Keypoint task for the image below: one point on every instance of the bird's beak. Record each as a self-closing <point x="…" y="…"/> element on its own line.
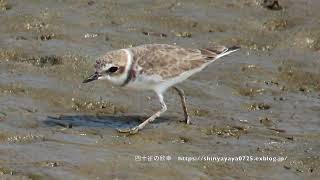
<point x="93" y="77"/>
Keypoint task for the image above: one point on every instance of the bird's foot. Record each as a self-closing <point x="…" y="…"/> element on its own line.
<point x="133" y="130"/>
<point x="187" y="120"/>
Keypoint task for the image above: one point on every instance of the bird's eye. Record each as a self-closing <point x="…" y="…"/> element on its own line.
<point x="113" y="69"/>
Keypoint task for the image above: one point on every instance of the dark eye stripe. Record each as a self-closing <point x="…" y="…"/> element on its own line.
<point x="113" y="69"/>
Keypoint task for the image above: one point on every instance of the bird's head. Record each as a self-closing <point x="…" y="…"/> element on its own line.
<point x="111" y="67"/>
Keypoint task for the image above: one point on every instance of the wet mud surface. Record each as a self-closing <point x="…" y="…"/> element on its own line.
<point x="261" y="101"/>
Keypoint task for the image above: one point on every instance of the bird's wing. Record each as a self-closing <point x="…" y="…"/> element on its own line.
<point x="169" y="61"/>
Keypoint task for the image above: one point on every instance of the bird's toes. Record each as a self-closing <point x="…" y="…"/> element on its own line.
<point x="134" y="130"/>
<point x="126" y="130"/>
<point x="188" y="120"/>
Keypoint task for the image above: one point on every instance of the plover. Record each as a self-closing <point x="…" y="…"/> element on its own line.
<point x="155" y="67"/>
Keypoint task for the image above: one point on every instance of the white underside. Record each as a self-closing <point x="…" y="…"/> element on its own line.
<point x="157" y="84"/>
<point x="175" y="80"/>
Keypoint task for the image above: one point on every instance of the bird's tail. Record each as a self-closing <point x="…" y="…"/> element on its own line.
<point x="218" y="51"/>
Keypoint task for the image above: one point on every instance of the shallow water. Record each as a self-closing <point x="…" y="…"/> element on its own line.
<point x="261" y="101"/>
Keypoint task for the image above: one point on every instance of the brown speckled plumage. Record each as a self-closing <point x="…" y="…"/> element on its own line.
<point x="117" y="58"/>
<point x="168" y="60"/>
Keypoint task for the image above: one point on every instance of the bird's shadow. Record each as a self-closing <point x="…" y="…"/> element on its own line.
<point x="101" y="121"/>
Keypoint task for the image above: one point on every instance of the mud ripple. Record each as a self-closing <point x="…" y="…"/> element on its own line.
<point x="298" y="79"/>
<point x="227" y="131"/>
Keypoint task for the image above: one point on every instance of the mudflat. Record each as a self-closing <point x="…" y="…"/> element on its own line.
<point x="262" y="101"/>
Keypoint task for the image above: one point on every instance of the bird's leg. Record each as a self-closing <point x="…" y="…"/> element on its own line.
<point x="150" y="119"/>
<point x="184" y="106"/>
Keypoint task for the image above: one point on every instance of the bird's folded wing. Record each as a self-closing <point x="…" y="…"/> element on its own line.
<point x="167" y="60"/>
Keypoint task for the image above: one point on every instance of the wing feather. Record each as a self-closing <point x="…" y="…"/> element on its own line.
<point x="169" y="61"/>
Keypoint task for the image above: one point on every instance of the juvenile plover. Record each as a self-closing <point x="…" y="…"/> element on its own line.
<point x="155" y="67"/>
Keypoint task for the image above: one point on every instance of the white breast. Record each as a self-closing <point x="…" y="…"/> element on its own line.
<point x="145" y="82"/>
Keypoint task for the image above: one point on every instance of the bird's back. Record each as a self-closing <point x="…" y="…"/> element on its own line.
<point x="169" y="61"/>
